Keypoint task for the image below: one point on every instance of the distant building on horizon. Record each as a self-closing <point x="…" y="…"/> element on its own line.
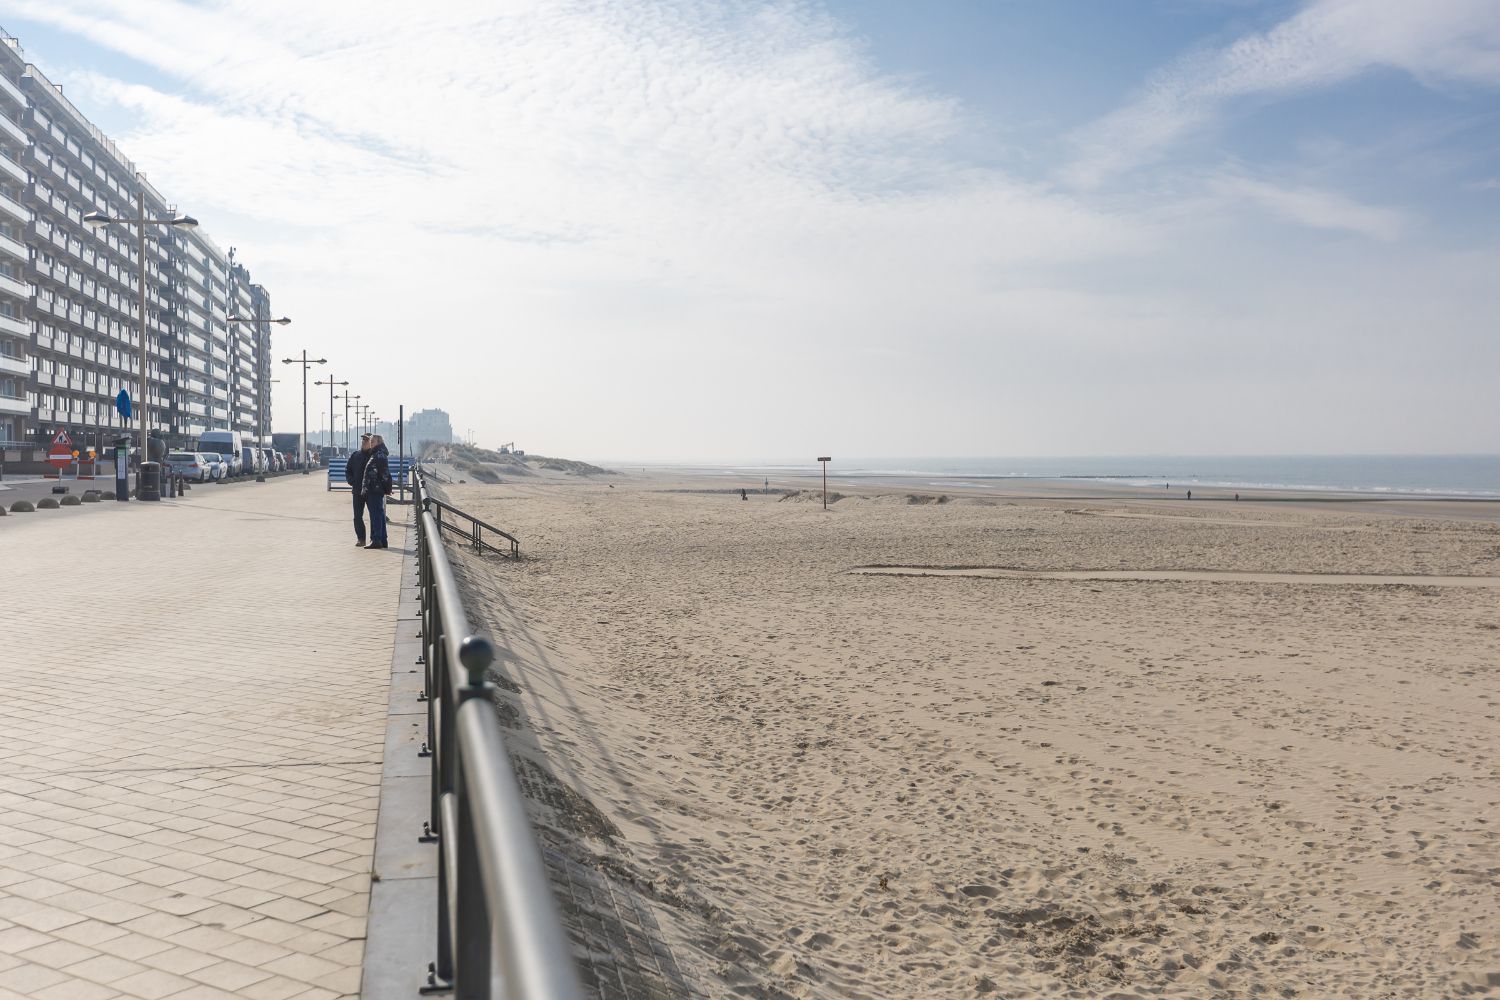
<point x="423" y="427"/>
<point x="428" y="427"/>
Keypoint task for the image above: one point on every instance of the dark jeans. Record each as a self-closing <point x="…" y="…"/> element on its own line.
<point x="359" y="517"/>
<point x="376" y="503"/>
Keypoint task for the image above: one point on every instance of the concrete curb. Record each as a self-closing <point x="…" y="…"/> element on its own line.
<point x="401" y="937"/>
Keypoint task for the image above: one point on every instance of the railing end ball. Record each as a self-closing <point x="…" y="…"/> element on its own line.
<point x="476" y="653"/>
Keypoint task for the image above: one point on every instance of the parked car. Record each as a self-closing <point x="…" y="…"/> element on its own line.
<point x="226" y="444"/>
<point x="217" y="467"/>
<point x="188" y="465"/>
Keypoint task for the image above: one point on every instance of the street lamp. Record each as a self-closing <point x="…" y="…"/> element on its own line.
<point x="345" y="396"/>
<point x="306" y="364"/>
<point x="330" y="383"/>
<point x="97" y="221"/>
<point x="260" y="381"/>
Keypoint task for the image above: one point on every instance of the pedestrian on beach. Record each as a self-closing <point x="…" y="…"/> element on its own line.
<point x="1190" y="494"/>
<point x="375" y="487"/>
<point x="354" y="475"/>
<point x="743" y="496"/>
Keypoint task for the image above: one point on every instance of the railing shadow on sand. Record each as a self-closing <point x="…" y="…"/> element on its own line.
<point x="498" y="930"/>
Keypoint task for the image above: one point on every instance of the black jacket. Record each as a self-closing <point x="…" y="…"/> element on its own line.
<point x="354" y="469"/>
<point x="377" y="476"/>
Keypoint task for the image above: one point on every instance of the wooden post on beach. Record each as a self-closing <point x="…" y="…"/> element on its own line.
<point x="825" y="462"/>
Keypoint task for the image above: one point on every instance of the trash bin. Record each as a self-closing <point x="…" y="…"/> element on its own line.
<point x="150" y="481"/>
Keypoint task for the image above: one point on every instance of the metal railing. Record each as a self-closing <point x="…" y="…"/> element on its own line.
<point x="473" y="532"/>
<point x="498" y="932"/>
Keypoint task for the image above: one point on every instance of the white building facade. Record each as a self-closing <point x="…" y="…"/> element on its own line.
<point x="69" y="294"/>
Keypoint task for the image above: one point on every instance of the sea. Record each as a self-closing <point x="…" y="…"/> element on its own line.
<point x="1460" y="476"/>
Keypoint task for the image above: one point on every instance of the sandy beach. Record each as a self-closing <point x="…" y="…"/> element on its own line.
<point x="1042" y="776"/>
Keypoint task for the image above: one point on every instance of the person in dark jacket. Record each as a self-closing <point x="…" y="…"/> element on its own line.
<point x="354" y="475"/>
<point x="375" y="487"/>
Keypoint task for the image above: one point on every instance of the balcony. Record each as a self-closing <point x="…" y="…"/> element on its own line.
<point x="14" y="208"/>
<point x="16" y="366"/>
<point x="12" y="91"/>
<point x="13" y="130"/>
<point x="19" y="406"/>
<point x="14" y="287"/>
<point x="9" y="166"/>
<point x="9" y="324"/>
<point x="15" y="248"/>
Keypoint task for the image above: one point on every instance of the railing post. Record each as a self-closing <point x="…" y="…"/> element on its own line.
<point x="471" y="980"/>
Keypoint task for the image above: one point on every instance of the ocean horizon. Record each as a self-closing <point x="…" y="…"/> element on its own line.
<point x="1466" y="476"/>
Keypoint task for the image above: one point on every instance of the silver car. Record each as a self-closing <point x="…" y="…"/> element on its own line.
<point x="217" y="467"/>
<point x="188" y="465"/>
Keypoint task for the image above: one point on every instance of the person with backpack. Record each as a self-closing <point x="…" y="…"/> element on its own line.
<point x="354" y="475"/>
<point x="375" y="487"/>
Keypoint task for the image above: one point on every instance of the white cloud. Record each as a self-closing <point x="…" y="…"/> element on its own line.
<point x="1313" y="207"/>
<point x="1438" y="42"/>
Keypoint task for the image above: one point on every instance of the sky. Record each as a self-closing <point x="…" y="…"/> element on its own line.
<point x="693" y="230"/>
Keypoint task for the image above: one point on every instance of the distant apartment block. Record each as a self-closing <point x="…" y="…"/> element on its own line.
<point x="428" y="427"/>
<point x="422" y="428"/>
<point x="69" y="294"/>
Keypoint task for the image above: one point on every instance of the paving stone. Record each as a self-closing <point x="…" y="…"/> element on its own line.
<point x="195" y="822"/>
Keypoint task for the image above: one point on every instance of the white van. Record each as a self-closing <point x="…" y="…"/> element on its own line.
<point x="226" y="444"/>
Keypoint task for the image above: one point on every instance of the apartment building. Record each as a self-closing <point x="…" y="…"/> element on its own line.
<point x="15" y="263"/>
<point x="429" y="427"/>
<point x="70" y="294"/>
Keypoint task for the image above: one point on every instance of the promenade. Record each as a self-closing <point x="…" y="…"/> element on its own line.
<point x="194" y="712"/>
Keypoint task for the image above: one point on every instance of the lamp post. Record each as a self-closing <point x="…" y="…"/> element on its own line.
<point x="306" y="363"/>
<point x="260" y="382"/>
<point x="346" y="398"/>
<point x="98" y="220"/>
<point x="330" y="383"/>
